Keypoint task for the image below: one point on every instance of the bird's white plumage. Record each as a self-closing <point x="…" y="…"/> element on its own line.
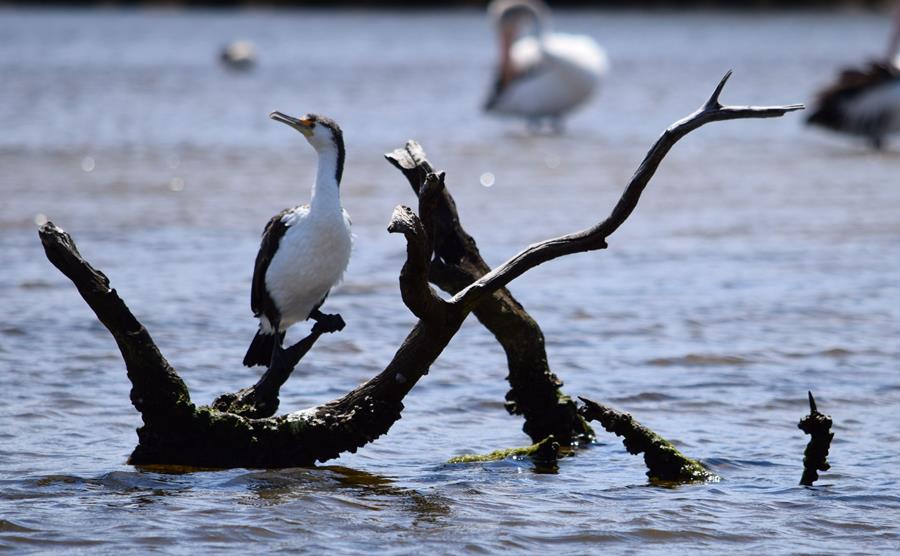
<point x="314" y="251"/>
<point x="557" y="72"/>
<point x="311" y="259"/>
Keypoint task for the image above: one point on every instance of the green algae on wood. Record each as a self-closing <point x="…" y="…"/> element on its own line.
<point x="547" y="450"/>
<point x="818" y="427"/>
<point x="664" y="461"/>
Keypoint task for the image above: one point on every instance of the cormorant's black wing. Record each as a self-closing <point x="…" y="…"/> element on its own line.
<point x="260" y="300"/>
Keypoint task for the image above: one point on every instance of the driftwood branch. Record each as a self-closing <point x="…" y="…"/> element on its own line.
<point x="534" y="389"/>
<point x="156" y="387"/>
<point x="417" y="294"/>
<point x="815" y="457"/>
<point x="261" y="400"/>
<point x="664" y="461"/>
<point x="595" y="237"/>
<point x="176" y="431"/>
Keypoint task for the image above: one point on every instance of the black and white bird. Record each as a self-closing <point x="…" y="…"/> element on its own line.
<point x="864" y="102"/>
<point x="305" y="250"/>
<point x="542" y="75"/>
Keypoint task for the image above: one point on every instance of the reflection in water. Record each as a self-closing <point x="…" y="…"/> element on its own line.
<point x="273" y="487"/>
<point x="366" y="490"/>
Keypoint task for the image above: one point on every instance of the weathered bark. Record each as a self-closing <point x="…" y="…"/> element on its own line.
<point x="815" y="457"/>
<point x="664" y="461"/>
<point x="261" y="400"/>
<point x="175" y="431"/>
<point x="534" y="389"/>
<point x="157" y="390"/>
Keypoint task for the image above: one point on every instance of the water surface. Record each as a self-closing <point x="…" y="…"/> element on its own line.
<point x="762" y="262"/>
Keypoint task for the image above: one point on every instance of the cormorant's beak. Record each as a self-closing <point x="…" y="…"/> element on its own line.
<point x="304" y="126"/>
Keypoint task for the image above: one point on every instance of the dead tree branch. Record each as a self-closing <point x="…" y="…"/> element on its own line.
<point x="175" y="431"/>
<point x="261" y="400"/>
<point x="157" y="390"/>
<point x="815" y="457"/>
<point x="419" y="297"/>
<point x="664" y="461"/>
<point x="595" y="237"/>
<point x="534" y="388"/>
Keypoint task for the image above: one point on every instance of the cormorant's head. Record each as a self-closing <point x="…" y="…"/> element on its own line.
<point x="322" y="133"/>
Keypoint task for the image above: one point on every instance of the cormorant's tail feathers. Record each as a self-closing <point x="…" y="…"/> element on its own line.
<point x="260" y="350"/>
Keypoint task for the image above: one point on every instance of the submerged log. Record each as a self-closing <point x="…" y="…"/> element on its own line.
<point x="235" y="434"/>
<point x="664" y="461"/>
<point x="815" y="457"/>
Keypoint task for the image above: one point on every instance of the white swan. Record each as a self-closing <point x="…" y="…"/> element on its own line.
<point x="542" y="75"/>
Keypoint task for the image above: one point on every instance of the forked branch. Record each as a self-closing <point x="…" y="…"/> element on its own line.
<point x="535" y="391"/>
<point x="595" y="237"/>
<point x="262" y="399"/>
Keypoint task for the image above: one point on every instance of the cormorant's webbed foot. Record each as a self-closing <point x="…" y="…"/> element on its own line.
<point x="326" y="324"/>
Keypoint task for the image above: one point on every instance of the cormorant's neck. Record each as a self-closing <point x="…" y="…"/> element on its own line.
<point x="326" y="188"/>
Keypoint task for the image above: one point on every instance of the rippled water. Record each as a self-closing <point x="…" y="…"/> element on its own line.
<point x="763" y="262"/>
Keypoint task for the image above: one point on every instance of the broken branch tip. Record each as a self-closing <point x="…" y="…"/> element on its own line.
<point x="713" y="101"/>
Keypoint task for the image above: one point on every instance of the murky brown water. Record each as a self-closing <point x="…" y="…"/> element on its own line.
<point x="763" y="262"/>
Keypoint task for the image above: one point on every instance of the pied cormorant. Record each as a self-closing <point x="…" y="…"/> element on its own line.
<point x="304" y="250"/>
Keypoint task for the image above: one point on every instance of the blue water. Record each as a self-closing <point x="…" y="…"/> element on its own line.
<point x="762" y="263"/>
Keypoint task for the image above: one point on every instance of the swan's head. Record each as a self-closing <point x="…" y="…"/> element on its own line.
<point x="322" y="133"/>
<point x="515" y="18"/>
